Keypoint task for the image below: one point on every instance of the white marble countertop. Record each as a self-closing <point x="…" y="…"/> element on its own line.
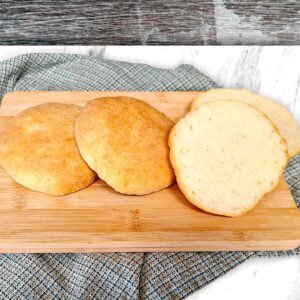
<point x="269" y="71"/>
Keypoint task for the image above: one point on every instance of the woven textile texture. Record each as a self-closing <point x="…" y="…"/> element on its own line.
<point x="112" y="275"/>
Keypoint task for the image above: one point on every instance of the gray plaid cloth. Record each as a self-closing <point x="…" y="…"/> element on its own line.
<point x="112" y="275"/>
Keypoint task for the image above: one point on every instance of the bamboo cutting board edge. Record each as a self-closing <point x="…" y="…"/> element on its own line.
<point x="148" y="226"/>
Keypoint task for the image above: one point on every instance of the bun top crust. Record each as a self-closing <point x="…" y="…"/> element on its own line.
<point x="125" y="141"/>
<point x="39" y="151"/>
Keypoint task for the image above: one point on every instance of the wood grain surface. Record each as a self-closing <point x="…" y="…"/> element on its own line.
<point x="173" y="104"/>
<point x="126" y="22"/>
<point x="98" y="219"/>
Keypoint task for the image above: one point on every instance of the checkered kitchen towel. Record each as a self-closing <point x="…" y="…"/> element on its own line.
<point x="112" y="275"/>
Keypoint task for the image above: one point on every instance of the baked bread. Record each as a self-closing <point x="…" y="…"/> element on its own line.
<point x="125" y="141"/>
<point x="226" y="156"/>
<point x="277" y="113"/>
<point x="38" y="150"/>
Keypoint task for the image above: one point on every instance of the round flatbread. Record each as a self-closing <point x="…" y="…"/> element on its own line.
<point x="125" y="141"/>
<point x="226" y="156"/>
<point x="38" y="150"/>
<point x="277" y="113"/>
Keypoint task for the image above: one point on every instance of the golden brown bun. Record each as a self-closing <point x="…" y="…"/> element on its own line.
<point x="125" y="141"/>
<point x="38" y="150"/>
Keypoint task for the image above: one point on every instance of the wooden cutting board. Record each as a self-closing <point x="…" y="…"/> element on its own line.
<point x="98" y="219"/>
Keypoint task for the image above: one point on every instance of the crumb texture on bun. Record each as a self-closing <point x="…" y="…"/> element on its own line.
<point x="277" y="113"/>
<point x="226" y="156"/>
